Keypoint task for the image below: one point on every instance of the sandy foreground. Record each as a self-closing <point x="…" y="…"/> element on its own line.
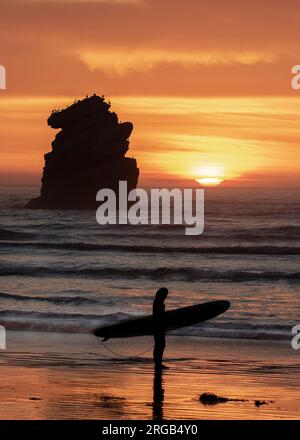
<point x="72" y="376"/>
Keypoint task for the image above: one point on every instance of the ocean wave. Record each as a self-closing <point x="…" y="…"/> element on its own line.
<point x="237" y="331"/>
<point x="70" y="300"/>
<point x="6" y="234"/>
<point x="223" y="250"/>
<point x="280" y="228"/>
<point x="57" y="315"/>
<point x="184" y="273"/>
<point x="60" y="322"/>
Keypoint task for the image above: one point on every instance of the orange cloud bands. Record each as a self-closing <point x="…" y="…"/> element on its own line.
<point x="123" y="62"/>
<point x="207" y="82"/>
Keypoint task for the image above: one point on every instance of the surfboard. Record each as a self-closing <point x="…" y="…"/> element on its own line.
<point x="173" y="319"/>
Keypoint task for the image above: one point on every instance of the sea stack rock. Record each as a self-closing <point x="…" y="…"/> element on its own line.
<point x="88" y="154"/>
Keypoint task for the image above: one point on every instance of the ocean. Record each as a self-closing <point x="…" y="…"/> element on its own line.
<point x="60" y="271"/>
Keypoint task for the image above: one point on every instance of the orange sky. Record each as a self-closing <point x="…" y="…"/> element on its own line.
<point x="206" y="84"/>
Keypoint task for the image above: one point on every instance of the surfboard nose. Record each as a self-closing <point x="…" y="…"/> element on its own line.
<point x="98" y="332"/>
<point x="225" y="304"/>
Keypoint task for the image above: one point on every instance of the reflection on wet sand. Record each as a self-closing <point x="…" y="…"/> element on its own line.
<point x="158" y="395"/>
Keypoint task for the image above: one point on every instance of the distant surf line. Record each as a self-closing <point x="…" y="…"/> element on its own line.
<point x="177" y="274"/>
<point x="221" y="250"/>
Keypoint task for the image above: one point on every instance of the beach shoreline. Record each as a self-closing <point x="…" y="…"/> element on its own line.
<point x="72" y="376"/>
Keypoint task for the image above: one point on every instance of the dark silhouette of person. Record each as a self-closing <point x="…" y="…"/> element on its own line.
<point x="159" y="327"/>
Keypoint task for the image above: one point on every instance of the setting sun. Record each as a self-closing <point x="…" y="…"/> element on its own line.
<point x="209" y="181"/>
<point x="211" y="175"/>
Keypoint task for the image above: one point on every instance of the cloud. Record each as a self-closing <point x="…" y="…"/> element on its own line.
<point x="125" y="61"/>
<point x="163" y="48"/>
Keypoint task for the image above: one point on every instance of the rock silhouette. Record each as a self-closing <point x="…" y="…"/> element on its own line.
<point x="213" y="399"/>
<point x="88" y="154"/>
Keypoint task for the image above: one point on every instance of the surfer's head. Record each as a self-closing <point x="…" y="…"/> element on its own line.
<point x="162" y="293"/>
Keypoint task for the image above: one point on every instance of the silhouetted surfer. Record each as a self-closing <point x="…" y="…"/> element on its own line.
<point x="159" y="327"/>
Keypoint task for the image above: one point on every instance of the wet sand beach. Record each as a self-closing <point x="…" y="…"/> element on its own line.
<point x="72" y="376"/>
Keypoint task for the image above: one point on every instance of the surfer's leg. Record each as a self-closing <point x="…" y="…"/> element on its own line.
<point x="156" y="349"/>
<point x="159" y="346"/>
